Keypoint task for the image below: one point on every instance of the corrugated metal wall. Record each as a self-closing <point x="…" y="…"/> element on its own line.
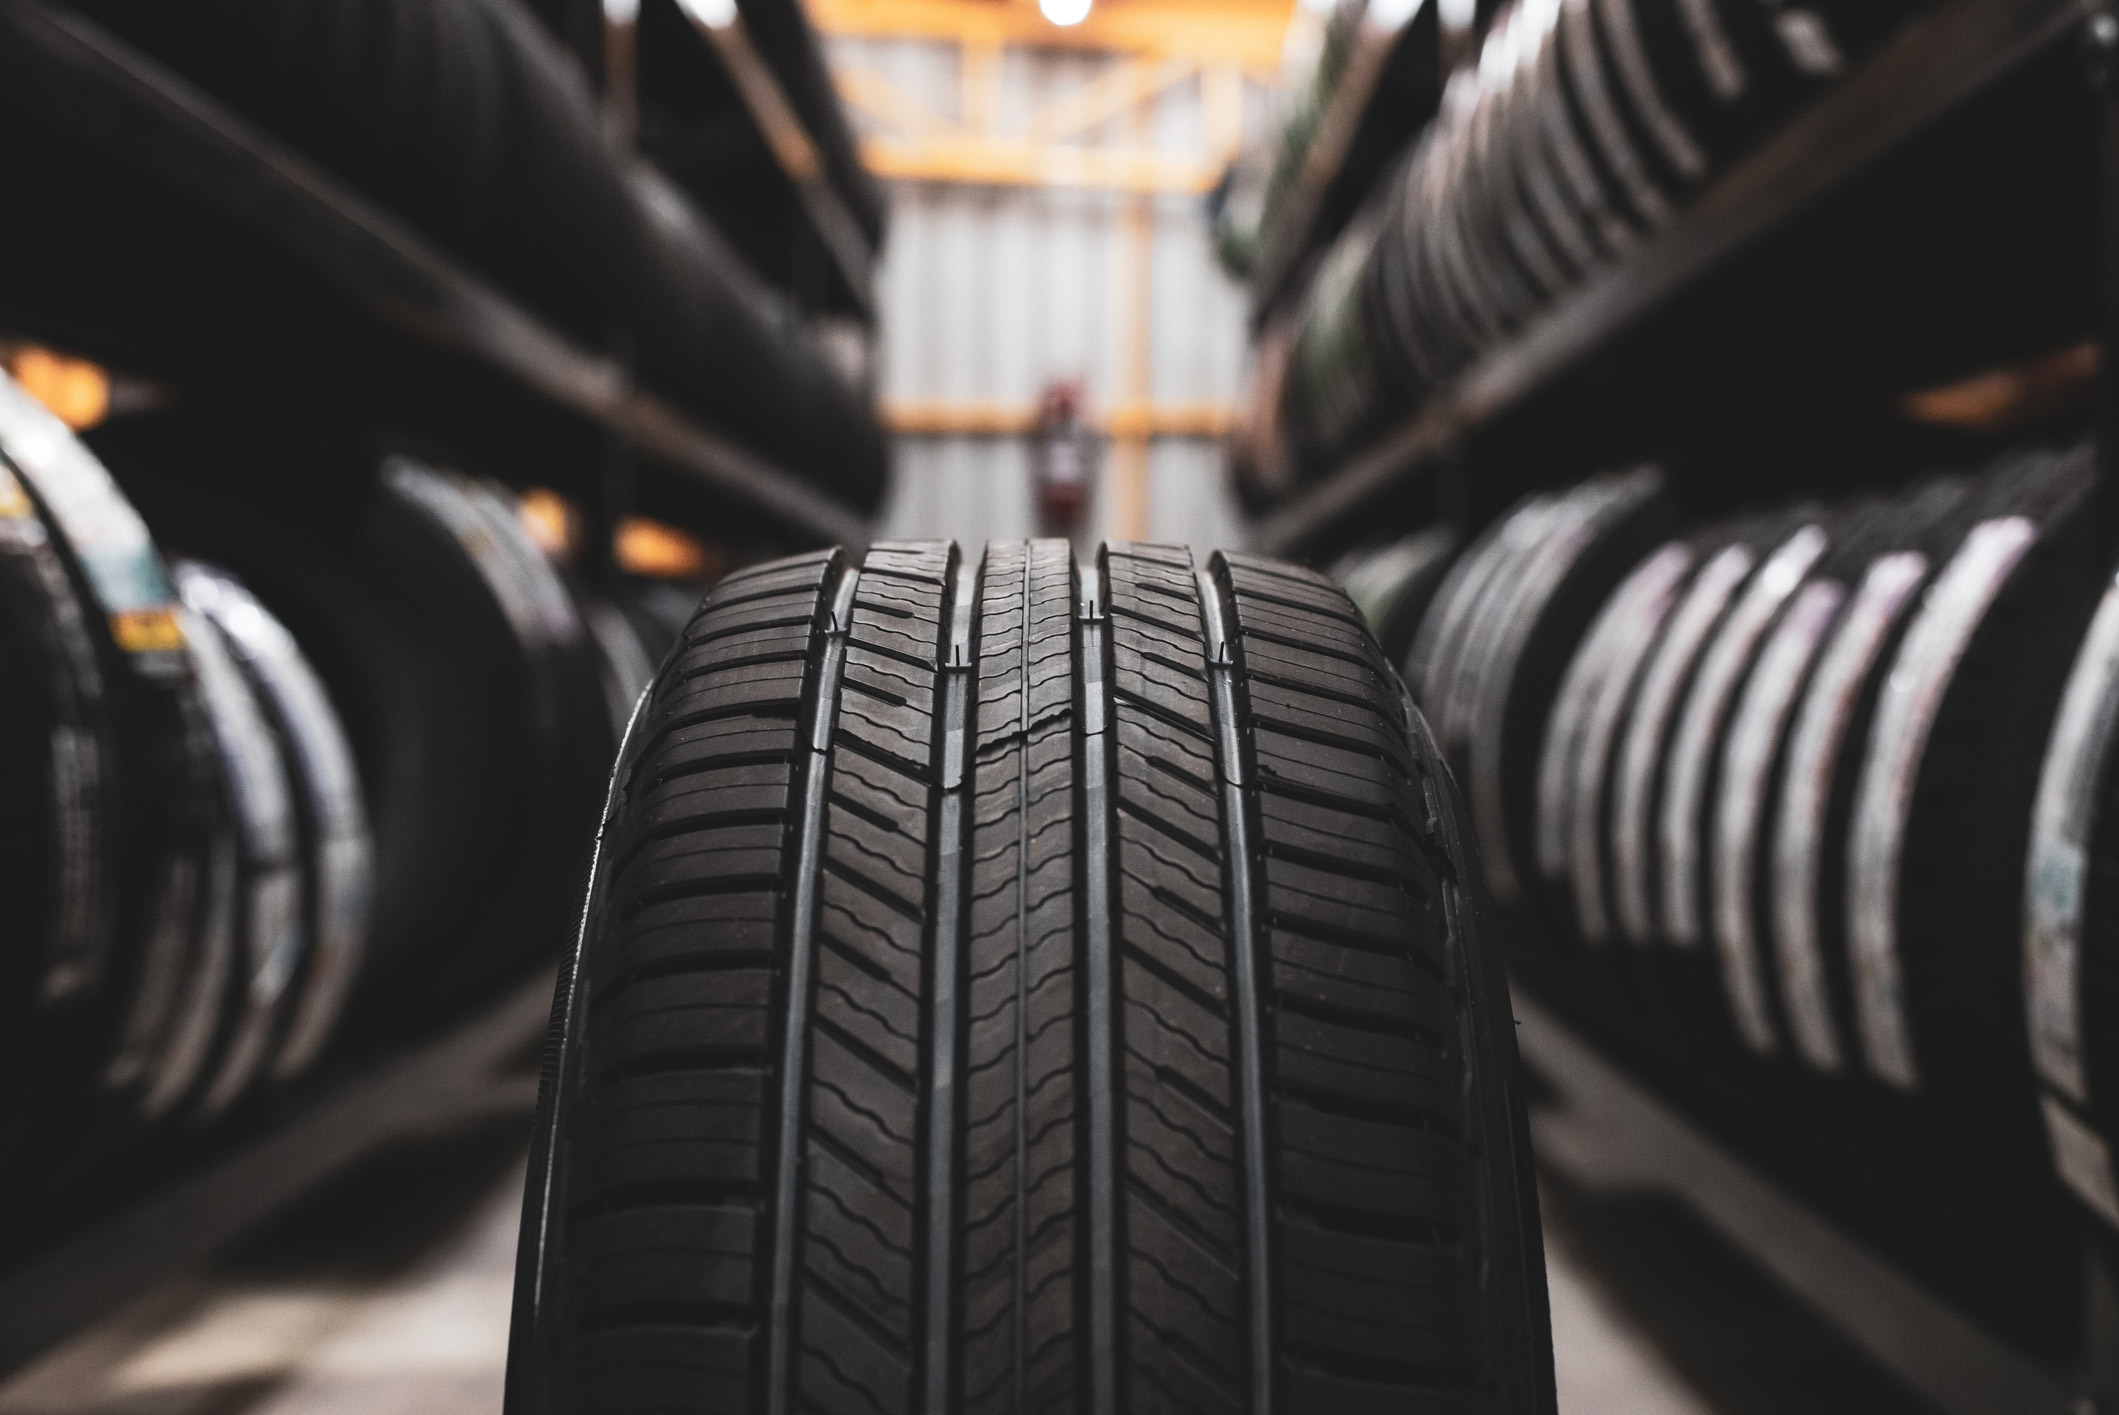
<point x="988" y="293"/>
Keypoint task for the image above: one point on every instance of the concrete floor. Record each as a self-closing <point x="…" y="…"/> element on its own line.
<point x="385" y="1295"/>
<point x="388" y="1295"/>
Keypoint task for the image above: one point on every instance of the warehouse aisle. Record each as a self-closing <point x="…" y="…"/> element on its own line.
<point x="388" y="1295"/>
<point x="1602" y="1364"/>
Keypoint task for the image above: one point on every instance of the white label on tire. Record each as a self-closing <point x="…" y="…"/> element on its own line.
<point x="1634" y="796"/>
<point x="2082" y="1159"/>
<point x="76" y="948"/>
<point x="1435" y="640"/>
<point x="1706" y="709"/>
<point x="108" y="537"/>
<point x="1622" y="32"/>
<point x="1592" y="766"/>
<point x="1585" y="67"/>
<point x="1740" y="805"/>
<point x="1615" y="635"/>
<point x="1806" y="788"/>
<point x="1454" y="685"/>
<point x="1712" y="50"/>
<point x="521" y="580"/>
<point x="2056" y="872"/>
<point x="1589" y="515"/>
<point x="1809" y="42"/>
<point x="1927" y="660"/>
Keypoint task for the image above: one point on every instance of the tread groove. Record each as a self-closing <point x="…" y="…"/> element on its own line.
<point x="800" y="965"/>
<point x="1223" y="669"/>
<point x="1019" y="1323"/>
<point x="945" y="949"/>
<point x="1099" y="892"/>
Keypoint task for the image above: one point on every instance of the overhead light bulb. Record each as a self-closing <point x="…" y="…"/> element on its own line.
<point x="1064" y="12"/>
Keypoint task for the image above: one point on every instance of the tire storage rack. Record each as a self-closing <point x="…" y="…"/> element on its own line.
<point x="1705" y="408"/>
<point x="327" y="729"/>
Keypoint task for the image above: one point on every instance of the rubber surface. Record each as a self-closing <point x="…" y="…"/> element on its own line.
<point x="1020" y="985"/>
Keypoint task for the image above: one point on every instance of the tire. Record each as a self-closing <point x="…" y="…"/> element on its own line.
<point x="87" y="862"/>
<point x="335" y="852"/>
<point x="126" y="826"/>
<point x="2071" y="983"/>
<point x="1734" y="907"/>
<point x="61" y="860"/>
<point x="1592" y="844"/>
<point x="272" y="933"/>
<point x="623" y="668"/>
<point x="1644" y="744"/>
<point x="1575" y="761"/>
<point x="1393" y="585"/>
<point x="1611" y="522"/>
<point x="1937" y="843"/>
<point x="905" y="1060"/>
<point x="1491" y="653"/>
<point x="466" y="684"/>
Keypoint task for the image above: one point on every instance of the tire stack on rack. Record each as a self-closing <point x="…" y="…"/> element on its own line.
<point x="1793" y="769"/>
<point x="330" y="782"/>
<point x="1761" y="796"/>
<point x="188" y="844"/>
<point x="302" y="734"/>
<point x="1580" y="130"/>
<point x="463" y="118"/>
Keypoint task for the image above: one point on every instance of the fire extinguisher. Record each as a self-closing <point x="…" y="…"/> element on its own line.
<point x="1059" y="459"/>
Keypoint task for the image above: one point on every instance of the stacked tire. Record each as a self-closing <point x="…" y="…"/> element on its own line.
<point x="336" y="778"/>
<point x="1011" y="983"/>
<point x="1579" y="131"/>
<point x="1773" y="849"/>
<point x="1393" y="584"/>
<point x="2071" y="968"/>
<point x="481" y="707"/>
<point x="187" y="843"/>
<point x="465" y="119"/>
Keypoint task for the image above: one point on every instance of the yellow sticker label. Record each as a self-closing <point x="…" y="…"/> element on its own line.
<point x="14" y="501"/>
<point x="148" y="630"/>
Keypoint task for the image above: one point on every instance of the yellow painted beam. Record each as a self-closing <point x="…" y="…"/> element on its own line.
<point x="1169" y="420"/>
<point x="879" y="98"/>
<point x="912" y="142"/>
<point x="1246" y="32"/>
<point x="1117" y="93"/>
<point x="1015" y="162"/>
<point x="941" y="417"/>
